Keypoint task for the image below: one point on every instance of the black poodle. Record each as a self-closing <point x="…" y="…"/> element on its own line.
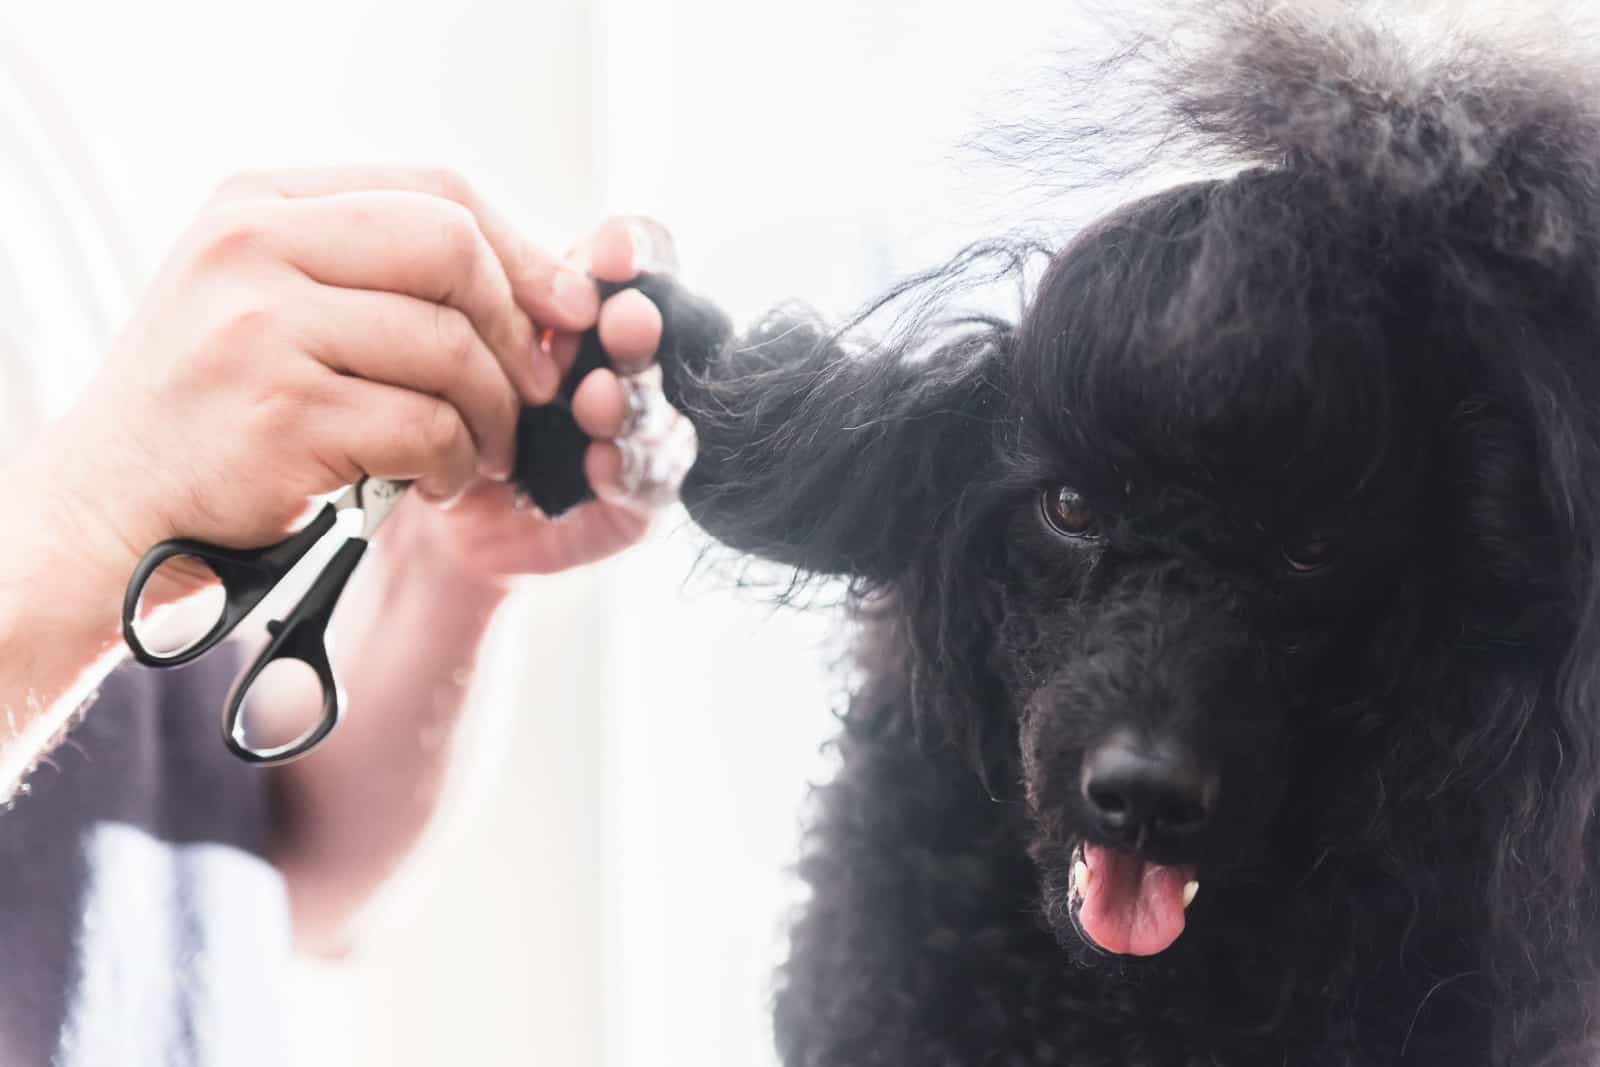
<point x="1230" y="620"/>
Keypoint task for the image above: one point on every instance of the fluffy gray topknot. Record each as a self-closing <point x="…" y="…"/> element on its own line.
<point x="1419" y="106"/>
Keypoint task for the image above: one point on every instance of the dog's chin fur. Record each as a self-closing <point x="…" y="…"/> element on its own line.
<point x="1377" y="325"/>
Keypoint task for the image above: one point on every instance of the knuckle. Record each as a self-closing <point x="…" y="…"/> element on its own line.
<point x="456" y="339"/>
<point x="462" y="241"/>
<point x="448" y="184"/>
<point x="232" y="236"/>
<point x="280" y="415"/>
<point x="318" y="390"/>
<point x="441" y="429"/>
<point x="247" y="328"/>
<point x="241" y="183"/>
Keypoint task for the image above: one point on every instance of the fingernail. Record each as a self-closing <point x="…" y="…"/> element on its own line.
<point x="634" y="455"/>
<point x="442" y="502"/>
<point x="632" y="408"/>
<point x="493" y="468"/>
<point x="646" y="410"/>
<point x="576" y="296"/>
<point x="654" y="470"/>
<point x="652" y="247"/>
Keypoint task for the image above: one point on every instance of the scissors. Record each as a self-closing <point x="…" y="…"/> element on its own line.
<point x="247" y="576"/>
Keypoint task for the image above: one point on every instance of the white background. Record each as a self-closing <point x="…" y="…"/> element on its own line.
<point x="614" y="892"/>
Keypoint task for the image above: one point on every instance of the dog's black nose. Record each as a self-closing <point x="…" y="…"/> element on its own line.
<point x="1136" y="792"/>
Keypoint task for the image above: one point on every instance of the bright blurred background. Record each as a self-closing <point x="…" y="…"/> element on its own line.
<point x="614" y="892"/>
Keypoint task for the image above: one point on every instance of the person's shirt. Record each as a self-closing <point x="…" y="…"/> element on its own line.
<point x="141" y="921"/>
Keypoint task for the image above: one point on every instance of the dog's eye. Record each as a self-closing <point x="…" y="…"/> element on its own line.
<point x="1310" y="553"/>
<point x="1068" y="512"/>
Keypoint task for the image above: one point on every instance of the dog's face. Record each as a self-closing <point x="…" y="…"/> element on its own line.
<point x="1248" y="558"/>
<point x="1183" y="658"/>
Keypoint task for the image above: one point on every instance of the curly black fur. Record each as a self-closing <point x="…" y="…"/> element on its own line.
<point x="1379" y="331"/>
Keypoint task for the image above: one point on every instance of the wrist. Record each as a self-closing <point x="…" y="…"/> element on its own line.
<point x="419" y="544"/>
<point x="61" y="586"/>
<point x="91" y="492"/>
<point x="62" y="551"/>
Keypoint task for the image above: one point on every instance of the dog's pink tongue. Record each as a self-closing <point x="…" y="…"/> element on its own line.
<point x="1131" y="907"/>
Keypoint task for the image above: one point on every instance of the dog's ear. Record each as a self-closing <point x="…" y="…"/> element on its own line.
<point x="828" y="457"/>
<point x="870" y="464"/>
<point x="1535" y="700"/>
<point x="815" y="453"/>
<point x="1561" y="388"/>
<point x="868" y="461"/>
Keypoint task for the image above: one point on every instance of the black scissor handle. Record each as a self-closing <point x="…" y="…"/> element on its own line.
<point x="247" y="576"/>
<point x="300" y="636"/>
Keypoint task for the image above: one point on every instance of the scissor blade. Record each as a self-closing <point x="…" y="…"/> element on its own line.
<point x="376" y="497"/>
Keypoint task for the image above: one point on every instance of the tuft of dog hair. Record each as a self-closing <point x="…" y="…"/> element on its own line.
<point x="1293" y="470"/>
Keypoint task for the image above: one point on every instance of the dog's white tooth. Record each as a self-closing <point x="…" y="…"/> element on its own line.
<point x="1081" y="876"/>
<point x="1189" y="891"/>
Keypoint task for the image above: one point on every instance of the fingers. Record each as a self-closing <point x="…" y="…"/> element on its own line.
<point x="609" y="252"/>
<point x="654" y="447"/>
<point x="427" y="348"/>
<point x="602" y="465"/>
<point x="421" y="247"/>
<point x="608" y="406"/>
<point x="617" y="251"/>
<point x="564" y="350"/>
<point x="613" y="470"/>
<point x="600" y="405"/>
<point x="555" y="294"/>
<point x="623" y="246"/>
<point x="395" y="433"/>
<point x="630" y="332"/>
<point x="630" y="329"/>
<point x="643" y="448"/>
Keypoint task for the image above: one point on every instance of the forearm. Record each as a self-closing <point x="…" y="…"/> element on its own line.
<point x="61" y="586"/>
<point x="407" y="641"/>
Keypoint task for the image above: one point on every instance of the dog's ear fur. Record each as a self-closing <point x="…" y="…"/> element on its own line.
<point x="868" y="460"/>
<point x="837" y="456"/>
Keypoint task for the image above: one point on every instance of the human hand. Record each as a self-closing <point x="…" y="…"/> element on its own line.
<point x="309" y="328"/>
<point x="489" y="535"/>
